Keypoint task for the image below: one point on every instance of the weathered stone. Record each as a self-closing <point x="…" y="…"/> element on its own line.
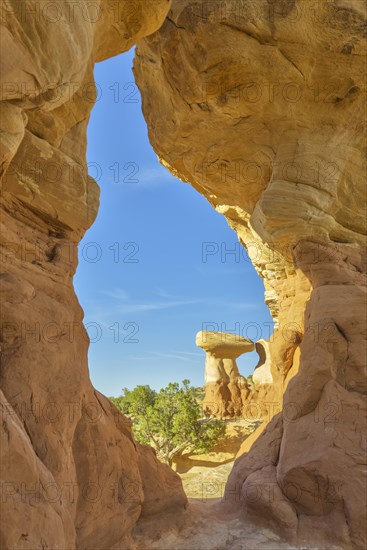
<point x="72" y="474"/>
<point x="259" y="105"/>
<point x="225" y="388"/>
<point x="262" y="373"/>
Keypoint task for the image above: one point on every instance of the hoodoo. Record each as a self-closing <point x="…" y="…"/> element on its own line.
<point x="225" y="389"/>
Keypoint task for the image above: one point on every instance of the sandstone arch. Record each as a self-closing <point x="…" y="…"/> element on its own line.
<point x="225" y="119"/>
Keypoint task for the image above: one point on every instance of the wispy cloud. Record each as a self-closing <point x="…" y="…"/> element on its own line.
<point x="243" y="305"/>
<point x="117" y="294"/>
<point x="196" y="353"/>
<point x="186" y="357"/>
<point x="156" y="306"/>
<point x="151" y="175"/>
<point x="124" y="304"/>
<point x="222" y="304"/>
<point x="141" y="177"/>
<point x="177" y="356"/>
<point x="161" y="292"/>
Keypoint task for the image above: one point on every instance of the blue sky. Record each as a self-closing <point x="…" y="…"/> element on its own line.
<point x="146" y="279"/>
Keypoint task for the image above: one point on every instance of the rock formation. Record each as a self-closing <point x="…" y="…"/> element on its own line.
<point x="227" y="393"/>
<point x="260" y="106"/>
<point x="225" y="389"/>
<point x="265" y="397"/>
<point x="72" y="474"/>
<point x="262" y="373"/>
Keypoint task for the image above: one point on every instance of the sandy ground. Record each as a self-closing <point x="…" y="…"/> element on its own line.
<point x="205" y="475"/>
<point x="207" y="526"/>
<point x="209" y="523"/>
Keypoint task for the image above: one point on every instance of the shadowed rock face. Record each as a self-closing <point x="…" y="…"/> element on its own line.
<point x="259" y="105"/>
<point x="72" y="474"/>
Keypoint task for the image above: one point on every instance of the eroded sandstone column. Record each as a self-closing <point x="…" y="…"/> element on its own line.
<point x="262" y="372"/>
<point x="225" y="389"/>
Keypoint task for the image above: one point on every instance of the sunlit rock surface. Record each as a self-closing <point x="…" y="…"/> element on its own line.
<point x="225" y="389"/>
<point x="262" y="373"/>
<point x="72" y="474"/>
<point x="260" y="106"/>
<point x="228" y="394"/>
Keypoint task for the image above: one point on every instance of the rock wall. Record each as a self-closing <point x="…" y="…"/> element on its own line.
<point x="72" y="474"/>
<point x="259" y="105"/>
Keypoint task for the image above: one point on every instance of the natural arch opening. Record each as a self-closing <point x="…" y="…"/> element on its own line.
<point x="156" y="250"/>
<point x="151" y="271"/>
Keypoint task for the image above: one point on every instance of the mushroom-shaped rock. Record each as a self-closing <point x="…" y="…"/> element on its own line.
<point x="222" y="350"/>
<point x="225" y="388"/>
<point x="223" y="344"/>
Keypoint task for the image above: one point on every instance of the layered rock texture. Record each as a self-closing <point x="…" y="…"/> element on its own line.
<point x="228" y="394"/>
<point x="72" y="474"/>
<point x="225" y="389"/>
<point x="262" y="374"/>
<point x="260" y="106"/>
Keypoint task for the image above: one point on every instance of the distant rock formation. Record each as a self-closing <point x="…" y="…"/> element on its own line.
<point x="228" y="394"/>
<point x="225" y="389"/>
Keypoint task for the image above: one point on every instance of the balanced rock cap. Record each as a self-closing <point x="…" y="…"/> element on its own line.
<point x="223" y="344"/>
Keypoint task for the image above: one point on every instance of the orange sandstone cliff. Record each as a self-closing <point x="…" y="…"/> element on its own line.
<point x="72" y="474"/>
<point x="260" y="106"/>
